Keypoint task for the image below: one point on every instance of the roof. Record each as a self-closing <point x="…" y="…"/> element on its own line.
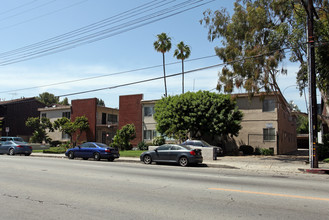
<point x="55" y="107"/>
<point x="13" y="101"/>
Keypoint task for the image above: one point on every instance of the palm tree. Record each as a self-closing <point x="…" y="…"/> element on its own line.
<point x="181" y="53"/>
<point x="163" y="44"/>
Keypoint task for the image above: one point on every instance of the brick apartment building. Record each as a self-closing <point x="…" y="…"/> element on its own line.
<point x="267" y="123"/>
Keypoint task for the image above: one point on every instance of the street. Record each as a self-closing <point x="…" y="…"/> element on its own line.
<point x="51" y="188"/>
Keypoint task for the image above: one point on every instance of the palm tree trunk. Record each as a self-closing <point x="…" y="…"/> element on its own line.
<point x="182" y="76"/>
<point x="164" y="74"/>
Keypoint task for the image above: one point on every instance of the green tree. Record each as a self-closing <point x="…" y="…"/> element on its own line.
<point x="65" y="101"/>
<point x="48" y="98"/>
<point x="163" y="45"/>
<point x="197" y="114"/>
<point x="123" y="137"/>
<point x="182" y="52"/>
<point x="254" y="39"/>
<point x="100" y="102"/>
<point x="78" y="126"/>
<point x="40" y="127"/>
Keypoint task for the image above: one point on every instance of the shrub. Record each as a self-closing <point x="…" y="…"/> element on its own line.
<point x="142" y="146"/>
<point x="246" y="149"/>
<point x="323" y="151"/>
<point x="55" y="150"/>
<point x="266" y="151"/>
<point x="55" y="143"/>
<point x="326" y="160"/>
<point x="159" y="141"/>
<point x="257" y="151"/>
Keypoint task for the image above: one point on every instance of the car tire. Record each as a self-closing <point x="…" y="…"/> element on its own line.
<point x="183" y="161"/>
<point x="71" y="155"/>
<point x="110" y="159"/>
<point x="28" y="154"/>
<point x="11" y="151"/>
<point x="147" y="159"/>
<point x="97" y="156"/>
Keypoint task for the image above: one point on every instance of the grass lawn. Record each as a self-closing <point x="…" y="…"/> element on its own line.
<point x="131" y="153"/>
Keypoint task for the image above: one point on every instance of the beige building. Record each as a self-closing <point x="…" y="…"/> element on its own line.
<point x="267" y="123"/>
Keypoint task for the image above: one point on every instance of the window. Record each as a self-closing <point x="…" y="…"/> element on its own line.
<point x="44" y="115"/>
<point x="65" y="136"/>
<point x="112" y="118"/>
<point x="269" y="105"/>
<point x="164" y="147"/>
<point x="148" y="111"/>
<point x="103" y="118"/>
<point x="150" y="134"/>
<point x="66" y="115"/>
<point x="269" y="134"/>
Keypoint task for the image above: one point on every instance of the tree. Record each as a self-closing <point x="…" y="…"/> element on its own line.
<point x="197" y="114"/>
<point x="123" y="137"/>
<point x="65" y="101"/>
<point x="39" y="126"/>
<point x="182" y="52"/>
<point x="256" y="36"/>
<point x="79" y="125"/>
<point x="163" y="45"/>
<point x="48" y="98"/>
<point x="100" y="102"/>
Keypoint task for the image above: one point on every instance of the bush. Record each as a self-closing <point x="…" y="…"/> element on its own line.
<point x="266" y="151"/>
<point x="257" y="151"/>
<point x="159" y="141"/>
<point x="323" y="151"/>
<point x="246" y="149"/>
<point x="326" y="160"/>
<point x="55" y="150"/>
<point x="142" y="146"/>
<point x="55" y="143"/>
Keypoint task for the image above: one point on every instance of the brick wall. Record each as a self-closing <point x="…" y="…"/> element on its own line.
<point x="131" y="113"/>
<point x="86" y="107"/>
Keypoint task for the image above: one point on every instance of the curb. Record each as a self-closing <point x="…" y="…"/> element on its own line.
<point x="315" y="171"/>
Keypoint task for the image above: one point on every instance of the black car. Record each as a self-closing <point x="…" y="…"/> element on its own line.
<point x="93" y="150"/>
<point x="173" y="153"/>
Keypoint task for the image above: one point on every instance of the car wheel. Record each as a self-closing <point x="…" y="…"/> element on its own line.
<point x="110" y="159"/>
<point x="11" y="151"/>
<point x="147" y="159"/>
<point x="183" y="161"/>
<point x="97" y="156"/>
<point x="27" y="154"/>
<point x="71" y="155"/>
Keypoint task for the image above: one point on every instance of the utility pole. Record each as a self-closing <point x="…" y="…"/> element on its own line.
<point x="312" y="113"/>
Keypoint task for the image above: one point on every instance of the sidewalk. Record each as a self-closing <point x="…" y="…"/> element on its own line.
<point x="276" y="164"/>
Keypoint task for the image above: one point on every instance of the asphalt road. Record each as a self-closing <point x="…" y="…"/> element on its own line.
<point x="52" y="188"/>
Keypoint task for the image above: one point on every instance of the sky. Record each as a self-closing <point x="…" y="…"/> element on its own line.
<point x="67" y="47"/>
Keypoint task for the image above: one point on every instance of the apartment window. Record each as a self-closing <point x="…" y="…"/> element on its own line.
<point x="269" y="134"/>
<point x="103" y="118"/>
<point x="66" y="115"/>
<point x="150" y="134"/>
<point x="148" y="111"/>
<point x="65" y="136"/>
<point x="269" y="105"/>
<point x="44" y="115"/>
<point x="112" y="118"/>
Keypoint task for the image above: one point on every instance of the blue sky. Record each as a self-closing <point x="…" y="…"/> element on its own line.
<point x="25" y="22"/>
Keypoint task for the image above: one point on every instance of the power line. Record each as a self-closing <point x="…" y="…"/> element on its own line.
<point x="73" y="39"/>
<point x="106" y="75"/>
<point x="172" y="75"/>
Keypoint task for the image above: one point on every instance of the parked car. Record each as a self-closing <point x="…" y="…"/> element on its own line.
<point x="173" y="153"/>
<point x="201" y="143"/>
<point x="12" y="139"/>
<point x="15" y="147"/>
<point x="93" y="150"/>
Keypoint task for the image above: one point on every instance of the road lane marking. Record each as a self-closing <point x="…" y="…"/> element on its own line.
<point x="271" y="194"/>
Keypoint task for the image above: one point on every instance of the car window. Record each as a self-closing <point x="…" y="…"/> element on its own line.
<point x="175" y="147"/>
<point x="3" y="139"/>
<point x="87" y="145"/>
<point x="18" y="139"/>
<point x="102" y="145"/>
<point x="164" y="147"/>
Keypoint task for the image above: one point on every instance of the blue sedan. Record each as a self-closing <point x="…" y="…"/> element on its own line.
<point x="15" y="147"/>
<point x="93" y="150"/>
